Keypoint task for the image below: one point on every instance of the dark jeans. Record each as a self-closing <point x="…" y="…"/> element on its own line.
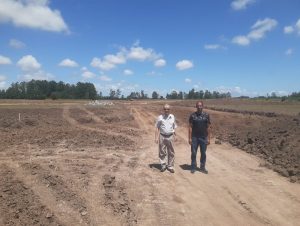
<point x="196" y="142"/>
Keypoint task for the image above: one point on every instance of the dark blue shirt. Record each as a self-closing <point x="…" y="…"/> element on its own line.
<point x="199" y="123"/>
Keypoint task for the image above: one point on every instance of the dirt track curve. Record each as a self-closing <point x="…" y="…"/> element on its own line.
<point x="88" y="170"/>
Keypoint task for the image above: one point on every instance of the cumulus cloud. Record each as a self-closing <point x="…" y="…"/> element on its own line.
<point x="32" y="14"/>
<point x="241" y="40"/>
<point x="2" y="82"/>
<point x="241" y="4"/>
<point x="258" y="31"/>
<point x="289" y="52"/>
<point x="135" y="52"/>
<point x="187" y="80"/>
<point x="160" y="63"/>
<point x="16" y="44"/>
<point x="68" y="63"/>
<point x="87" y="74"/>
<point x="105" y="78"/>
<point x="37" y="75"/>
<point x="29" y="63"/>
<point x="288" y="29"/>
<point x="298" y="26"/>
<point x="213" y="46"/>
<point x="184" y="64"/>
<point x="2" y="78"/>
<point x="102" y="64"/>
<point x="4" y="60"/>
<point x="141" y="54"/>
<point x="293" y="28"/>
<point x="128" y="72"/>
<point x="119" y="58"/>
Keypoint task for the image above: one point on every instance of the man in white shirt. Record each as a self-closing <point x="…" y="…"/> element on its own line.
<point x="164" y="136"/>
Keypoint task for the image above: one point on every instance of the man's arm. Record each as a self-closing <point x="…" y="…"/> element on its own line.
<point x="208" y="134"/>
<point x="190" y="134"/>
<point x="156" y="135"/>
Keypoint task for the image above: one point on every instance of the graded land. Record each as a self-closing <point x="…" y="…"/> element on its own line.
<point x="73" y="163"/>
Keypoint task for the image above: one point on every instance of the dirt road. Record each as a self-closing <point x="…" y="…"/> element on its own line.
<point x="78" y="173"/>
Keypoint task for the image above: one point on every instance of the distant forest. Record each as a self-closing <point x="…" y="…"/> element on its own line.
<point x="42" y="89"/>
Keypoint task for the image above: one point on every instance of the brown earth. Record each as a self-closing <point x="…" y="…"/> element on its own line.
<point x="98" y="165"/>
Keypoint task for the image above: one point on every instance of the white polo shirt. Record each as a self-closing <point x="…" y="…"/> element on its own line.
<point x="166" y="124"/>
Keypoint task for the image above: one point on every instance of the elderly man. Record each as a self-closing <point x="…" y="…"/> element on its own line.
<point x="165" y="135"/>
<point x="199" y="135"/>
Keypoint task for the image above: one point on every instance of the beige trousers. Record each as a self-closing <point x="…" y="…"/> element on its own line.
<point x="166" y="151"/>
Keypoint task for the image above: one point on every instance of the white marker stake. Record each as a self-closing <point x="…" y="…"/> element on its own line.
<point x="19" y="117"/>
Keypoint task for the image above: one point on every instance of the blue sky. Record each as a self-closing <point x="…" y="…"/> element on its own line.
<point x="246" y="47"/>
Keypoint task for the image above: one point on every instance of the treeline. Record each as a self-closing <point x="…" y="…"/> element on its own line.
<point x="42" y="89"/>
<point x="274" y="96"/>
<point x="193" y="94"/>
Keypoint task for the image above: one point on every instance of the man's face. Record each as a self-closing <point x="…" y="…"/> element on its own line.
<point x="199" y="106"/>
<point x="166" y="110"/>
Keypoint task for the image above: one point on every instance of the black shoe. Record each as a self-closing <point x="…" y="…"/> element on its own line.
<point x="171" y="170"/>
<point x="203" y="170"/>
<point x="163" y="169"/>
<point x="193" y="170"/>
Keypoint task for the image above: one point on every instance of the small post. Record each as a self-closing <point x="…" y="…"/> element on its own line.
<point x="19" y="117"/>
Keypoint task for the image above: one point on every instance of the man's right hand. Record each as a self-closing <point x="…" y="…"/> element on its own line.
<point x="190" y="141"/>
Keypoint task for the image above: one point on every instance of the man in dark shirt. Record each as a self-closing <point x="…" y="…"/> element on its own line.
<point x="199" y="135"/>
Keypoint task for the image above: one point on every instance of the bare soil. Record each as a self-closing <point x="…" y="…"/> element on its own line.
<point x="98" y="165"/>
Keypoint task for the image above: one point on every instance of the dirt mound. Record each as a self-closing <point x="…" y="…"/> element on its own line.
<point x="275" y="140"/>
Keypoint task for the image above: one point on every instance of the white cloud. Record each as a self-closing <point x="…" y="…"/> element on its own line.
<point x="4" y="60"/>
<point x="241" y="40"/>
<point x="102" y="65"/>
<point x="288" y="29"/>
<point x="184" y="64"/>
<point x="260" y="28"/>
<point x="289" y="52"/>
<point x="105" y="78"/>
<point x="32" y="14"/>
<point x="2" y="82"/>
<point x="2" y="78"/>
<point x="212" y="46"/>
<point x="135" y="52"/>
<point x="241" y="4"/>
<point x="187" y="80"/>
<point x="293" y="28"/>
<point x="141" y="54"/>
<point x="88" y="74"/>
<point x="298" y="26"/>
<point x="29" y="63"/>
<point x="36" y="75"/>
<point x="14" y="43"/>
<point x="68" y="63"/>
<point x="159" y="63"/>
<point x="128" y="72"/>
<point x="119" y="58"/>
<point x="258" y="31"/>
